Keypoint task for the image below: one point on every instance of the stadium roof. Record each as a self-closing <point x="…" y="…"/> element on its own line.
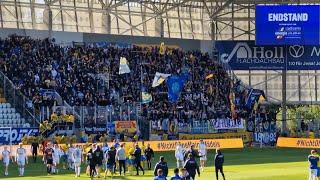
<point x="189" y="19"/>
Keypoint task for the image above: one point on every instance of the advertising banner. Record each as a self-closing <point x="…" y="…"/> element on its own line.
<point x="245" y="55"/>
<point x="16" y="134"/>
<point x="211" y="144"/>
<point x="126" y="127"/>
<point x="298" y="142"/>
<point x="287" y="24"/>
<point x="246" y="136"/>
<point x="155" y="145"/>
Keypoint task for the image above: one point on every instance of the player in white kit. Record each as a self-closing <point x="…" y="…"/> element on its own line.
<point x="202" y="154"/>
<point x="70" y="152"/>
<point x="6" y="160"/>
<point x="77" y="159"/>
<point x="57" y="153"/>
<point x="21" y="159"/>
<point x="179" y="154"/>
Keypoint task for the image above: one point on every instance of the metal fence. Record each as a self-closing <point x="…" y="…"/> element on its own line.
<point x="98" y="114"/>
<point x="21" y="103"/>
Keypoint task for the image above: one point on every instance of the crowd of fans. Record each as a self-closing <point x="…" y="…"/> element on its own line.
<point x="34" y="65"/>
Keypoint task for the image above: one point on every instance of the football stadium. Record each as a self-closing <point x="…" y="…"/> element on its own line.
<point x="160" y="89"/>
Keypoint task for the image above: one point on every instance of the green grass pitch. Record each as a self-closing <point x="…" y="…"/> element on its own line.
<point x="240" y="164"/>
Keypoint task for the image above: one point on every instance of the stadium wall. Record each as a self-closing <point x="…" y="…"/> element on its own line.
<point x="67" y="37"/>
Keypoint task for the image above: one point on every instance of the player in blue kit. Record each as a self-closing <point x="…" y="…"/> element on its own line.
<point x="176" y="175"/>
<point x="313" y="159"/>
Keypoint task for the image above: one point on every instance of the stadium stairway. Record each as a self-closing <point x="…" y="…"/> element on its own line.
<point x="9" y="117"/>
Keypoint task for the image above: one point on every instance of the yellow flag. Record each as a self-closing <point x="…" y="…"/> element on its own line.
<point x="261" y="99"/>
<point x="209" y="76"/>
<point x="162" y="49"/>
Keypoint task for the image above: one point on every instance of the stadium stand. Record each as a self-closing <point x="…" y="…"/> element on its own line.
<point x="35" y="66"/>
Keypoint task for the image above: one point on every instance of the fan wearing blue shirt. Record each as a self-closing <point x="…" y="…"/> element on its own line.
<point x="176" y="175"/>
<point x="313" y="159"/>
<point x="160" y="175"/>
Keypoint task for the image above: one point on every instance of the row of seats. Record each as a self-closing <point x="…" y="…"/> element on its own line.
<point x="7" y="110"/>
<point x="14" y="121"/>
<point x="10" y="116"/>
<point x="26" y="125"/>
<point x="5" y="105"/>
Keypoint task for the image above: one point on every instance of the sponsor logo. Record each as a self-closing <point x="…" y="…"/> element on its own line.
<point x="298" y="142"/>
<point x="255" y="54"/>
<point x="16" y="134"/>
<point x="308" y="143"/>
<point x="296" y="51"/>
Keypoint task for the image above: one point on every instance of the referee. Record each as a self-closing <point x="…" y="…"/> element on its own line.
<point x="218" y="163"/>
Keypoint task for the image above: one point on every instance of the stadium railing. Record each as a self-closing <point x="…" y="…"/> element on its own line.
<point x="22" y="104"/>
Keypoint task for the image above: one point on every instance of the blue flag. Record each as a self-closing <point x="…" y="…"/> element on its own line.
<point x="175" y="86"/>
<point x="253" y="97"/>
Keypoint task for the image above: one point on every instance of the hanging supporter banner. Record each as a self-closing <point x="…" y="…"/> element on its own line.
<point x="150" y="46"/>
<point x="245" y="55"/>
<point x="226" y="123"/>
<point x="96" y="128"/>
<point x="265" y="131"/>
<point x="246" y="136"/>
<point x="127" y="127"/>
<point x="287" y="24"/>
<point x="120" y="45"/>
<point x="16" y="134"/>
<point x="298" y="142"/>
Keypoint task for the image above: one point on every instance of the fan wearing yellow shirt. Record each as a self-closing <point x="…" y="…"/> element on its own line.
<point x="54" y="117"/>
<point x="71" y="118"/>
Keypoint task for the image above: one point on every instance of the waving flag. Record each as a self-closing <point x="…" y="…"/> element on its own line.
<point x="146" y="97"/>
<point x="159" y="78"/>
<point x="209" y="76"/>
<point x="162" y="49"/>
<point x="253" y="97"/>
<point x="123" y="68"/>
<point x="262" y="99"/>
<point x="175" y="86"/>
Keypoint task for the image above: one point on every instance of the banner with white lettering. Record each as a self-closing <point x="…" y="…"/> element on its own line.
<point x="245" y="55"/>
<point x="265" y="130"/>
<point x="97" y="128"/>
<point x="287" y="24"/>
<point x="16" y="134"/>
